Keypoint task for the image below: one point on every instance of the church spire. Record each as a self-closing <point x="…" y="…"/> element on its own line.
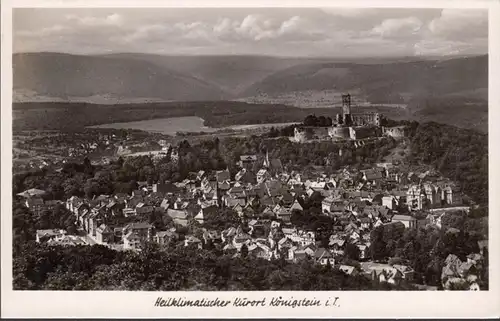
<point x="267" y="164"/>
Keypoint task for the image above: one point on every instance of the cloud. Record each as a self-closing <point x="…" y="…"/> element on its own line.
<point x="402" y="27"/>
<point x="253" y="28"/>
<point x="455" y="31"/>
<point x="344" y="32"/>
<point x="460" y="23"/>
<point x="109" y="20"/>
<point x="43" y="32"/>
<point x="431" y="47"/>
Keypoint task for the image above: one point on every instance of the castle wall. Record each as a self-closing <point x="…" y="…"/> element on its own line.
<point x="303" y="134"/>
<point x="367" y="119"/>
<point x="363" y="132"/>
<point x="339" y="132"/>
<point x="396" y="132"/>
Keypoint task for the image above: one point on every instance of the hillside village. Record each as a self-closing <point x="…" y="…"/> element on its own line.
<point x="262" y="211"/>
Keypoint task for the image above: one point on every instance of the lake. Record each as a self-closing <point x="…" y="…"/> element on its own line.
<point x="192" y="124"/>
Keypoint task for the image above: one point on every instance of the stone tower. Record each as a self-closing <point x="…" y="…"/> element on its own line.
<point x="346" y="109"/>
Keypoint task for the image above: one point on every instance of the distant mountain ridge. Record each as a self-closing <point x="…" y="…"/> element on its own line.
<point x="63" y="76"/>
<point x="176" y="78"/>
<point x="381" y="83"/>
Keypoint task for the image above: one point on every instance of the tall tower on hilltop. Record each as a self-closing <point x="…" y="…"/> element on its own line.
<point x="346" y="104"/>
<point x="346" y="109"/>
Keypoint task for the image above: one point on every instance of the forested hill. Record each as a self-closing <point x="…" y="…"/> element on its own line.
<point x="460" y="154"/>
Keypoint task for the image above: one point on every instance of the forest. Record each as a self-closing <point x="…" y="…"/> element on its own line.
<point x="459" y="154"/>
<point x="76" y="116"/>
<point x="171" y="269"/>
<point x="426" y="248"/>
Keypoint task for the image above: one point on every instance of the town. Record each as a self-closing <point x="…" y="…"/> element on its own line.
<point x="352" y="219"/>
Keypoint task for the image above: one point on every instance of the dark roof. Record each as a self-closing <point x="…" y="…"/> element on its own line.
<point x="222" y="176"/>
<point x="322" y="253"/>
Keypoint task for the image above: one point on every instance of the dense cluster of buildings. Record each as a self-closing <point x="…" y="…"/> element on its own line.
<point x="265" y="201"/>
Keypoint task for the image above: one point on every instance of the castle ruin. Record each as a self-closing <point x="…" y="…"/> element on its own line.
<point x="349" y="126"/>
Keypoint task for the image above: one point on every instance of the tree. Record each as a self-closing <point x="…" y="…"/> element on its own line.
<point x="378" y="246"/>
<point x="352" y="251"/>
<point x="244" y="251"/>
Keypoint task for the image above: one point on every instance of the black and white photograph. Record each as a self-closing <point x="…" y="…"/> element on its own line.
<point x="249" y="149"/>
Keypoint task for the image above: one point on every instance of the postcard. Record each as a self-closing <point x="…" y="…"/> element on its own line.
<point x="213" y="159"/>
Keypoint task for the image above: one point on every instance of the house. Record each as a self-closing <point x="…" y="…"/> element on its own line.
<point x="284" y="214"/>
<point x="205" y="213"/>
<point x="246" y="177"/>
<point x="408" y="221"/>
<point x="228" y="234"/>
<point x="337" y="244"/>
<point x="114" y="207"/>
<point x="211" y="236"/>
<point x="143" y="209"/>
<point x="365" y="222"/>
<point x="299" y="253"/>
<point x="165" y="204"/>
<point x="389" y="275"/>
<point x="241" y="238"/>
<point x="414" y="198"/>
<point x="363" y="251"/>
<point x="247" y="161"/>
<point x="191" y="240"/>
<point x="46" y="235"/>
<point x="66" y="240"/>
<point x="178" y="216"/>
<point x="132" y="240"/>
<point x="82" y="219"/>
<point x="104" y="234"/>
<point x="389" y="201"/>
<point x="332" y="205"/>
<point x="349" y="270"/>
<point x="286" y="199"/>
<point x="94" y="221"/>
<point x="222" y="176"/>
<point x="143" y="230"/>
<point x="230" y="249"/>
<point x="127" y="212"/>
<point x="407" y="272"/>
<point x="373" y="175"/>
<point x="323" y="257"/>
<point x="258" y="250"/>
<point x="382" y="272"/>
<point x="285" y="243"/>
<point x="304" y="238"/>
<point x="296" y="206"/>
<point x="165" y="237"/>
<point x="35" y="204"/>
<point x="165" y="188"/>
<point x="72" y="202"/>
<point x="262" y="176"/>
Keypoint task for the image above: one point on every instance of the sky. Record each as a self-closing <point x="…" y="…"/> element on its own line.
<point x="300" y="32"/>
